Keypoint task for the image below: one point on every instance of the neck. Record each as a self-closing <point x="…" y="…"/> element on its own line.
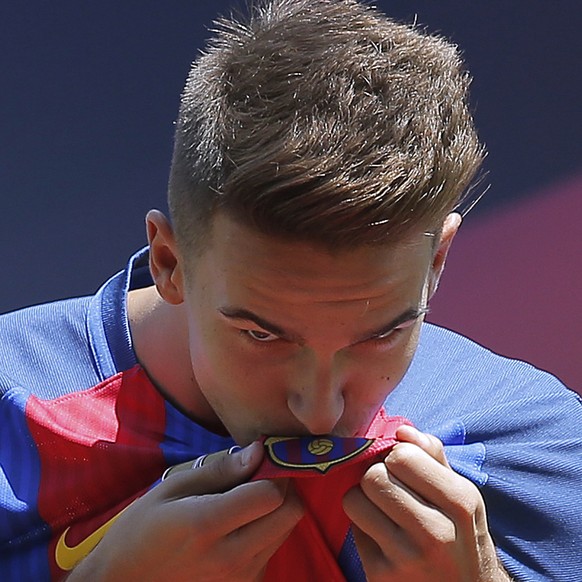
<point x="159" y="332"/>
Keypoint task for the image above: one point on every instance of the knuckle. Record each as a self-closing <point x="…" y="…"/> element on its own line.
<point x="469" y="505"/>
<point x="375" y="477"/>
<point x="437" y="536"/>
<point x="402" y="454"/>
<point x="202" y="527"/>
<point x="219" y="475"/>
<point x="467" y="501"/>
<point x="272" y="492"/>
<point x="444" y="535"/>
<point x="436" y="445"/>
<point x="221" y="466"/>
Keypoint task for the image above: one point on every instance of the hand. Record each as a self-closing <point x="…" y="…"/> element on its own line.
<point x="415" y="519"/>
<point x="206" y="524"/>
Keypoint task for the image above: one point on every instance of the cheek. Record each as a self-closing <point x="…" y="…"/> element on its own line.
<point x="225" y="372"/>
<point x="401" y="358"/>
<point x="375" y="375"/>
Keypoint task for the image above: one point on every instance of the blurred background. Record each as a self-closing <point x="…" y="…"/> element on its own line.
<point x="90" y="90"/>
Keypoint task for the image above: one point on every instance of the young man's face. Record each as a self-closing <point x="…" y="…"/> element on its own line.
<point x="288" y="339"/>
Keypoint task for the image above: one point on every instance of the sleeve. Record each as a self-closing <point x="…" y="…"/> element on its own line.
<point x="23" y="534"/>
<point x="516" y="432"/>
<point x="525" y="454"/>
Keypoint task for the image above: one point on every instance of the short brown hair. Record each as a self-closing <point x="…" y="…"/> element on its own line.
<point x="323" y="121"/>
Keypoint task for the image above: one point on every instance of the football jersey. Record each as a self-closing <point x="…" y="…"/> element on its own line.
<point x="83" y="432"/>
<point x="322" y="469"/>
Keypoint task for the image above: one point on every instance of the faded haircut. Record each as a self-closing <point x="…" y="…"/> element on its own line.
<point x="322" y="121"/>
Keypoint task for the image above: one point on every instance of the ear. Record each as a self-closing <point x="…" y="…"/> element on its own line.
<point x="165" y="266"/>
<point x="450" y="227"/>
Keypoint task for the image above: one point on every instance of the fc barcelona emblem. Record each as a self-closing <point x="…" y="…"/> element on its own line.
<point x="314" y="453"/>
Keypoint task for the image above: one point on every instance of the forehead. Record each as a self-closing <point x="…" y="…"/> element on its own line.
<point x="240" y="257"/>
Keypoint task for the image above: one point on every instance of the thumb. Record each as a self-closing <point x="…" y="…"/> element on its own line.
<point x="216" y="473"/>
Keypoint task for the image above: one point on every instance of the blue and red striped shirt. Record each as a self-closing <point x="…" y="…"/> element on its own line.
<point x="83" y="432"/>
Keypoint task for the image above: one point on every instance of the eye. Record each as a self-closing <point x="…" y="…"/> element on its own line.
<point x="387" y="338"/>
<point x="260" y="336"/>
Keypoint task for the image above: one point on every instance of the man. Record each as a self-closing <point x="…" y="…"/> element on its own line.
<point x="321" y="151"/>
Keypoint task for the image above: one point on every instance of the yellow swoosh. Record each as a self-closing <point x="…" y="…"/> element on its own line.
<point x="68" y="557"/>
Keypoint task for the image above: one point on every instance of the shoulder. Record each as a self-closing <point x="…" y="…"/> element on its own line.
<point x="452" y="376"/>
<point x="507" y="418"/>
<point x="43" y="345"/>
<point x="516" y="432"/>
<point x="52" y="349"/>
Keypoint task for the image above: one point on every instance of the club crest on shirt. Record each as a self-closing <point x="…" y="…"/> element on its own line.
<point x="314" y="453"/>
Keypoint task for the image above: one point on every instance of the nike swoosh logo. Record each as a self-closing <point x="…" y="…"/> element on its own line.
<point x="67" y="557"/>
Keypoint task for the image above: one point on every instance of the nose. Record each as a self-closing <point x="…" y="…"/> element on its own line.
<point x="316" y="397"/>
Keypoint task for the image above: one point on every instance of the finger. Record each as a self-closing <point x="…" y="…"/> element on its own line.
<point x="277" y="521"/>
<point x="427" y="442"/>
<point x="437" y="484"/>
<point x="218" y="476"/>
<point x="249" y="547"/>
<point x="375" y="561"/>
<point x="198" y="462"/>
<point x="422" y="522"/>
<point x="260" y="539"/>
<point x="378" y="534"/>
<point x="220" y="514"/>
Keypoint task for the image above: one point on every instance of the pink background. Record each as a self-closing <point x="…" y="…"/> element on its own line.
<point x="514" y="278"/>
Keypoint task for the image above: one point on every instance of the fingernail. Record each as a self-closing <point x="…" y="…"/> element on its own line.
<point x="405" y="428"/>
<point x="248" y="452"/>
<point x="411" y="433"/>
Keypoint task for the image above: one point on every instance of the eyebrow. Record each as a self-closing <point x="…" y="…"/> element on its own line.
<point x="246" y="315"/>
